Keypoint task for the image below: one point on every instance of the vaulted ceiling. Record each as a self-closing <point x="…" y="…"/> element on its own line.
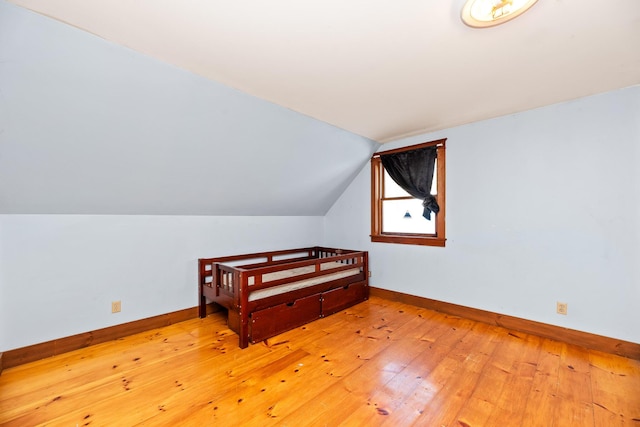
<point x="197" y="107"/>
<point x="382" y="69"/>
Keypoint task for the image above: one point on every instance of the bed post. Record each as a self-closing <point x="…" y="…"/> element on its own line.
<point x="244" y="315"/>
<point x="365" y="259"/>
<point x="202" y="308"/>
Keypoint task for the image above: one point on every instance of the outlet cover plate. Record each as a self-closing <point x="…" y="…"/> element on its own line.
<point x="561" y="308"/>
<point x="116" y="307"/>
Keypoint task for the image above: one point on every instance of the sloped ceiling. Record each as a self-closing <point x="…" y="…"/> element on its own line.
<point x="379" y="68"/>
<point x="90" y="127"/>
<point x="266" y="108"/>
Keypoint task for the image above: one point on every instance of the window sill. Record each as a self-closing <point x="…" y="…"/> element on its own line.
<point x="409" y="240"/>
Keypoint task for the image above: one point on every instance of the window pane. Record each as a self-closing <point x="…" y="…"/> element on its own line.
<point x="394" y="220"/>
<point x="391" y="189"/>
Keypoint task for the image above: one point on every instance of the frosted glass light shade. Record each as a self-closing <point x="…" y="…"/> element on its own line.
<point x="487" y="13"/>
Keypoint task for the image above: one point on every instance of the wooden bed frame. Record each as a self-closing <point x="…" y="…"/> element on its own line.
<point x="268" y="293"/>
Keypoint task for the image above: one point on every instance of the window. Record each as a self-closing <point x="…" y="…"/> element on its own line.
<point x="396" y="215"/>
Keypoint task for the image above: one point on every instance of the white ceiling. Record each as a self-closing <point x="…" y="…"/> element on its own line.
<point x="379" y="68"/>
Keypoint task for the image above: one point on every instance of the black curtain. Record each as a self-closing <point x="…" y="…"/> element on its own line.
<point x="413" y="171"/>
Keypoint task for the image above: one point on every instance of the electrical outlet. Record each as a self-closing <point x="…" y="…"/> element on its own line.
<point x="561" y="308"/>
<point x="116" y="306"/>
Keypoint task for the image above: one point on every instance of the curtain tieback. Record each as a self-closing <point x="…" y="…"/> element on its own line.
<point x="430" y="205"/>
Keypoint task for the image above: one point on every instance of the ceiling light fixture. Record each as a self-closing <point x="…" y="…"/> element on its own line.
<point x="487" y="13"/>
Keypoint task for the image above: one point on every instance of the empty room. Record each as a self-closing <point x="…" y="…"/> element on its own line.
<point x="320" y="213"/>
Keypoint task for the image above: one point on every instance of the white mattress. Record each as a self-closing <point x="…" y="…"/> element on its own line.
<point x="277" y="290"/>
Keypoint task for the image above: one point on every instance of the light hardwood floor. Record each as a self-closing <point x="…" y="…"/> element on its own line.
<point x="378" y="363"/>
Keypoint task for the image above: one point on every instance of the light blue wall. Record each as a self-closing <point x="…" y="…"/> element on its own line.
<point x="89" y="127"/>
<point x="542" y="206"/>
<point x="60" y="273"/>
<point x="117" y="172"/>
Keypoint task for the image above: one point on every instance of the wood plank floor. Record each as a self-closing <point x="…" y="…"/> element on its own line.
<point x="379" y="363"/>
